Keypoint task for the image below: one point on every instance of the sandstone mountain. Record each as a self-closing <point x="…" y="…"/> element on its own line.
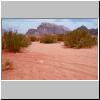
<point x="48" y="28"/>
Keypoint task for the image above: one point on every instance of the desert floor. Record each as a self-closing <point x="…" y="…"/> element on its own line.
<point x="52" y="62"/>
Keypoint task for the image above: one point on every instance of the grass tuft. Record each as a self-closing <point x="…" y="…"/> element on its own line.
<point x="8" y="65"/>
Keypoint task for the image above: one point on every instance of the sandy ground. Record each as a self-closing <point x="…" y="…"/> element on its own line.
<point x="52" y="62"/>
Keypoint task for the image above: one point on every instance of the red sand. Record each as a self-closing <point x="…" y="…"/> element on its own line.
<point x="52" y="62"/>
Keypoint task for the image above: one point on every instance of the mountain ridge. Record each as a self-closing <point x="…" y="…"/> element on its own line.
<point x="48" y="28"/>
<point x="51" y="28"/>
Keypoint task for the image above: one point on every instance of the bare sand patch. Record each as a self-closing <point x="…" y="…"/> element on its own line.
<point x="52" y="62"/>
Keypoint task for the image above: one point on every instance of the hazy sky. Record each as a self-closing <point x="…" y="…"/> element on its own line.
<point x="22" y="25"/>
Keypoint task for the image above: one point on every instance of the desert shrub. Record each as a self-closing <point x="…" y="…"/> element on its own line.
<point x="8" y="65"/>
<point x="48" y="39"/>
<point x="24" y="41"/>
<point x="13" y="41"/>
<point x="95" y="40"/>
<point x="79" y="38"/>
<point x="37" y="38"/>
<point x="60" y="37"/>
<point x="3" y="44"/>
<point x="33" y="38"/>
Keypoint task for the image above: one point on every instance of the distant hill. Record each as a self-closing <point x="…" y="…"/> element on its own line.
<point x="48" y="28"/>
<point x="94" y="31"/>
<point x="91" y="31"/>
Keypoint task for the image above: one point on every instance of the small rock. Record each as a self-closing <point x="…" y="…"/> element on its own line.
<point x="41" y="61"/>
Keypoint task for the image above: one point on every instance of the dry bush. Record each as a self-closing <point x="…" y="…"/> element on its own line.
<point x="33" y="38"/>
<point x="14" y="42"/>
<point x="79" y="38"/>
<point x="46" y="38"/>
<point x="60" y="37"/>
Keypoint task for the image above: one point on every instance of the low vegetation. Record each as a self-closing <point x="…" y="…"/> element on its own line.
<point x="8" y="65"/>
<point x="33" y="38"/>
<point x="60" y="37"/>
<point x="46" y="38"/>
<point x="13" y="41"/>
<point x="79" y="38"/>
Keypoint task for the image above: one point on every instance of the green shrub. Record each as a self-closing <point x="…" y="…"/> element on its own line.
<point x="79" y="38"/>
<point x="14" y="42"/>
<point x="48" y="39"/>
